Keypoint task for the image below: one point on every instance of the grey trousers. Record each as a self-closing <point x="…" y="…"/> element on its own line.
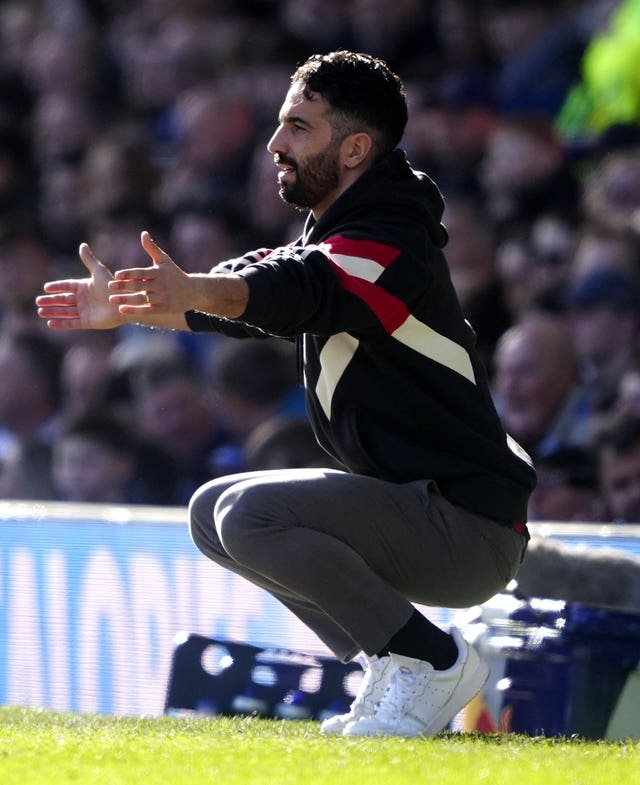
<point x="348" y="554"/>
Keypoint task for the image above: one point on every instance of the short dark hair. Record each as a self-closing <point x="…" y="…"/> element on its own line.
<point x="362" y="91"/>
<point x="101" y="428"/>
<point x="620" y="434"/>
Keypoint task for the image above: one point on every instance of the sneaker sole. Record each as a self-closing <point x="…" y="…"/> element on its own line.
<point x="459" y="700"/>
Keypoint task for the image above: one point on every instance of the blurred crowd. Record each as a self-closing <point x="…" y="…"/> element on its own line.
<point x="123" y="115"/>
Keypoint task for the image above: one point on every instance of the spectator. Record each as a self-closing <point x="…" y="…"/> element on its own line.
<point x="63" y="128"/>
<point x="611" y="193"/>
<point x="617" y="446"/>
<point x="85" y="374"/>
<point x="607" y="94"/>
<point x="525" y="172"/>
<point x="537" y="386"/>
<point x="605" y="321"/>
<point x="25" y="471"/>
<point x="538" y="46"/>
<point x="567" y="488"/>
<point x="471" y="258"/>
<point x="285" y="442"/>
<point x="94" y="460"/>
<point x="600" y="247"/>
<point x="214" y="140"/>
<point x="25" y="262"/>
<point x="177" y="414"/>
<point x="29" y="388"/>
<point x="253" y="381"/>
<point x="553" y="240"/>
<point x="402" y="32"/>
<point x="61" y="212"/>
<point x="200" y="236"/>
<point x="515" y="267"/>
<point x="118" y="176"/>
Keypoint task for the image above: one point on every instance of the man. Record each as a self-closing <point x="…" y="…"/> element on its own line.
<point x="537" y="386"/>
<point x="617" y="448"/>
<point x="604" y="314"/>
<point x="432" y="502"/>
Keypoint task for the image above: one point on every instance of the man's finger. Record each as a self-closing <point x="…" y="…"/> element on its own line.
<point x="154" y="251"/>
<point x="64" y="324"/>
<point x="87" y="257"/>
<point x="64" y="298"/>
<point x="58" y="312"/>
<point x="68" y="286"/>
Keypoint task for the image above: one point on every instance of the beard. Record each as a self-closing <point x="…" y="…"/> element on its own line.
<point x="314" y="179"/>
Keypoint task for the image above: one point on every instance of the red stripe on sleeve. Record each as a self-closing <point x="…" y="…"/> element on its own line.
<point x="390" y="310"/>
<point x="366" y="249"/>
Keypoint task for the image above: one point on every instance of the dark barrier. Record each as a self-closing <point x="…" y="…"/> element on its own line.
<point x="211" y="677"/>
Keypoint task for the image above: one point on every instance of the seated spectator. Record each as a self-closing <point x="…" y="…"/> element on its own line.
<point x="567" y="488"/>
<point x="611" y="193"/>
<point x="253" y="381"/>
<point x="515" y="267"/>
<point x="29" y="388"/>
<point x="538" y="47"/>
<point x="213" y="148"/>
<point x="94" y="460"/>
<point x="402" y="32"/>
<point x="25" y="262"/>
<point x="605" y="322"/>
<point x="118" y="175"/>
<point x="285" y="442"/>
<point x="470" y="255"/>
<point x="86" y="373"/>
<point x="200" y="239"/>
<point x="525" y="172"/>
<point x="601" y="248"/>
<point x="25" y="472"/>
<point x="537" y="386"/>
<point x="61" y="211"/>
<point x="178" y="414"/>
<point x="552" y="239"/>
<point x="617" y="448"/>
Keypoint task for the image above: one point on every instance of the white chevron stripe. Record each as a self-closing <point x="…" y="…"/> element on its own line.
<point x="335" y="356"/>
<point x="359" y="267"/>
<point x="422" y="338"/>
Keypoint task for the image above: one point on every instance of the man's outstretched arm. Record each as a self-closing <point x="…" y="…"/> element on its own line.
<point x="155" y="296"/>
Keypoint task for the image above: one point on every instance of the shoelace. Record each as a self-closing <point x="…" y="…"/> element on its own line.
<point x="401" y="689"/>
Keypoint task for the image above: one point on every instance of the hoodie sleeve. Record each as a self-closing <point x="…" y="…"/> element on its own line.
<point x="330" y="287"/>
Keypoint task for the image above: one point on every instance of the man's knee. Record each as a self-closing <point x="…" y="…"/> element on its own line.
<point x="241" y="518"/>
<point x="201" y="520"/>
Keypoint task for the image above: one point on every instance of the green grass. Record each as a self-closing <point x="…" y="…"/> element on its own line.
<point x="44" y="748"/>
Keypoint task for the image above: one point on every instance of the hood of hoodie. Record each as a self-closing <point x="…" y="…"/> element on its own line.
<point x="390" y="190"/>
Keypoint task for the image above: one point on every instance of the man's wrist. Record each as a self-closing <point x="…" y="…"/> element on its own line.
<point x="219" y="294"/>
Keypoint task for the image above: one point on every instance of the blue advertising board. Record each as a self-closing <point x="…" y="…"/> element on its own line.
<point x="93" y="599"/>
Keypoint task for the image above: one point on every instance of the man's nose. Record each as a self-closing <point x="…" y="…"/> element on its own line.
<point x="276" y="143"/>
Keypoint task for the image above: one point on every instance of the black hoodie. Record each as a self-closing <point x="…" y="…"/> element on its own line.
<point x="394" y="386"/>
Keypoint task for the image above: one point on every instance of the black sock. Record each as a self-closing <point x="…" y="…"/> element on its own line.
<point x="422" y="640"/>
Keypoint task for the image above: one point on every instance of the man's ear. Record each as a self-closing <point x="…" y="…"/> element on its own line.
<point x="356" y="149"/>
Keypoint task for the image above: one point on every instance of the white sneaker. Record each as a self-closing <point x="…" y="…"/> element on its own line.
<point x="372" y="687"/>
<point x="421" y="701"/>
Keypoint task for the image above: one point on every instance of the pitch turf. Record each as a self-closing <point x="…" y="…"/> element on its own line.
<point x="44" y="748"/>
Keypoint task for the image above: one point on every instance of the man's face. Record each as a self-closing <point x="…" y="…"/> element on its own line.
<point x="305" y="152"/>
<point x="620" y="483"/>
<point x="530" y="386"/>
